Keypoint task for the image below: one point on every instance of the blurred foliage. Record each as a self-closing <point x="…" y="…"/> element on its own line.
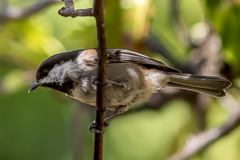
<point x="39" y="125"/>
<point x="224" y="16"/>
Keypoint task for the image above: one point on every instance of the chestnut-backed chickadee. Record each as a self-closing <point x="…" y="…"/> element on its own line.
<point x="130" y="76"/>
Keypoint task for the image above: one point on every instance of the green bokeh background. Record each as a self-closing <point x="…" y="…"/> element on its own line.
<point x="46" y="125"/>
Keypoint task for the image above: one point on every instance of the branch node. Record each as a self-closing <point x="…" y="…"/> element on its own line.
<point x="65" y="12"/>
<point x="68" y="12"/>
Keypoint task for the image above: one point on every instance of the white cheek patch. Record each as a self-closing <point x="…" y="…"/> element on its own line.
<point x="58" y="73"/>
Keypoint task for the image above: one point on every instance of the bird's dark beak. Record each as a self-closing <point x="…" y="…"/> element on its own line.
<point x="35" y="85"/>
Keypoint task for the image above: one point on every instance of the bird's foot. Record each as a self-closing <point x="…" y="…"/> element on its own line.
<point x="95" y="82"/>
<point x="94" y="128"/>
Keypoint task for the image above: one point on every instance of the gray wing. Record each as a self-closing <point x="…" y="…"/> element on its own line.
<point x="121" y="55"/>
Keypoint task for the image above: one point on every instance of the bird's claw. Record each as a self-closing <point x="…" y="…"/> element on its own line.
<point x="94" y="128"/>
<point x="95" y="82"/>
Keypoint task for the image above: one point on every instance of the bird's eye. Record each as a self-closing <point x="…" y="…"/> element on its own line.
<point x="45" y="73"/>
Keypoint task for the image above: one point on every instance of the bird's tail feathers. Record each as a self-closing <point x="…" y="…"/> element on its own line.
<point x="211" y="85"/>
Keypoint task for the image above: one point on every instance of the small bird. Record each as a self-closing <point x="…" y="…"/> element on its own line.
<point x="130" y="78"/>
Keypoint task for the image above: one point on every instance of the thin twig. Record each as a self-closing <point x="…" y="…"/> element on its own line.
<point x="208" y="137"/>
<point x="17" y="14"/>
<point x="4" y="5"/>
<point x="98" y="12"/>
<point x="68" y="10"/>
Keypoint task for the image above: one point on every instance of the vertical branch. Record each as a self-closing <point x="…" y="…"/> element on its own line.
<point x="176" y="21"/>
<point x="98" y="11"/>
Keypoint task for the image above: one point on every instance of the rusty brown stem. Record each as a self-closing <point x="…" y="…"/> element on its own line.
<point x="98" y="12"/>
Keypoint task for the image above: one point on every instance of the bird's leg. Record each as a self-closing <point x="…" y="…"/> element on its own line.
<point x="125" y="85"/>
<point x="120" y="110"/>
